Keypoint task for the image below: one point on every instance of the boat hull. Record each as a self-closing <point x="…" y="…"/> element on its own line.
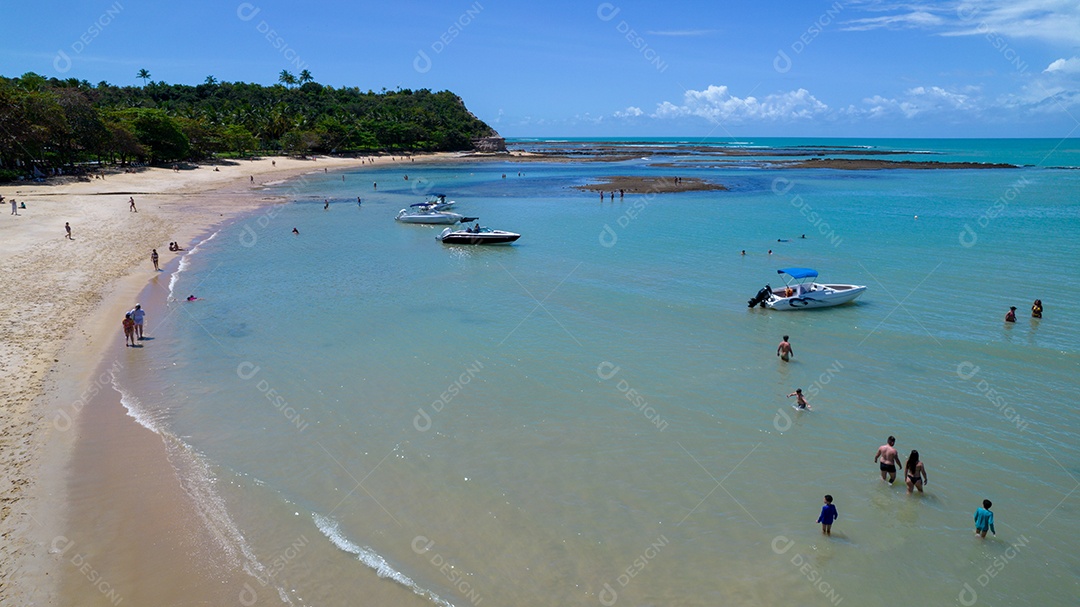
<point x="819" y="296"/>
<point x="429" y="218"/>
<point x="483" y="238"/>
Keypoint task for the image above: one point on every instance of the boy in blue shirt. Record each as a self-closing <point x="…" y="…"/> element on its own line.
<point x="984" y="520"/>
<point x="828" y="515"/>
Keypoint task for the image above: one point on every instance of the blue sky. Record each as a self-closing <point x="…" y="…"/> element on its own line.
<point x="873" y="68"/>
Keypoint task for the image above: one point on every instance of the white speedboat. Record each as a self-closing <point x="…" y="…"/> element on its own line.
<point x="476" y="235"/>
<point x="427" y="216"/>
<point x="801" y="292"/>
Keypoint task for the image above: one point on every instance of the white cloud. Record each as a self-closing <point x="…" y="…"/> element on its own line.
<point x="1054" y="21"/>
<point x="920" y="100"/>
<point x="716" y="104"/>
<point x="916" y="19"/>
<point x="1064" y="66"/>
<point x="630" y="112"/>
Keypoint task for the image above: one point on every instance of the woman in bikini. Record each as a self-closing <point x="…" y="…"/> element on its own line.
<point x="914" y="473"/>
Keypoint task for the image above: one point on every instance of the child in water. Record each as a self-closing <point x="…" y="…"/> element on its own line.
<point x="984" y="520"/>
<point x="828" y="515"/>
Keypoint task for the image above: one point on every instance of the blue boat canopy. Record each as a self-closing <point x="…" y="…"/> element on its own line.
<point x="798" y="272"/>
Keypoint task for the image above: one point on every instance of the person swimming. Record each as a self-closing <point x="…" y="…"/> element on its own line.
<point x="191" y="298"/>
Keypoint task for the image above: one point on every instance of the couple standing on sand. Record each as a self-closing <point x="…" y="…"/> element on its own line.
<point x="133" y="325"/>
<point x="887" y="459"/>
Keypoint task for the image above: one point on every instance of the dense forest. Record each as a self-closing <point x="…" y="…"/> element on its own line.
<point x="50" y="123"/>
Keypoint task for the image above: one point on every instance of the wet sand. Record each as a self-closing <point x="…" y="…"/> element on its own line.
<point x="647" y="185"/>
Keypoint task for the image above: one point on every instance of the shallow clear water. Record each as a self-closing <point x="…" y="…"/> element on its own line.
<point x="594" y="414"/>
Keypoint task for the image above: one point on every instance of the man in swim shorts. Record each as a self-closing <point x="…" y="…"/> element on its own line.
<point x="888" y="459"/>
<point x="784" y="350"/>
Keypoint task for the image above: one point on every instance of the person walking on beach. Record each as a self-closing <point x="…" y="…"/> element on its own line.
<point x="984" y="520"/>
<point x="129" y="330"/>
<point x="1010" y="316"/>
<point x="67" y="228"/>
<point x="138" y="315"/>
<point x="914" y="473"/>
<point x="1036" y="308"/>
<point x="14" y="208"/>
<point x="154" y="259"/>
<point x="784" y="350"/>
<point x="131" y="205"/>
<point x="828" y="515"/>
<point x="888" y="459"/>
<point x="800" y="400"/>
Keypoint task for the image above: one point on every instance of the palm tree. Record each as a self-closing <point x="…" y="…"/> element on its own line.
<point x="144" y="74"/>
<point x="211" y="80"/>
<point x="305" y="76"/>
<point x="286" y="78"/>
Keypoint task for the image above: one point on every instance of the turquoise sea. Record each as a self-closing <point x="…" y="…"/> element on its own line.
<point x="593" y="416"/>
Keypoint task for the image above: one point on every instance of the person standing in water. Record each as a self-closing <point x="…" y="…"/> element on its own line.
<point x="784" y="350"/>
<point x="984" y="520"/>
<point x="800" y="400"/>
<point x="888" y="459"/>
<point x="915" y="473"/>
<point x="828" y="515"/>
<point x="1010" y="316"/>
<point x="1036" y="309"/>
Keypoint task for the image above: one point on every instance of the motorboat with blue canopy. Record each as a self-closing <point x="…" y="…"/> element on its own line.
<point x="802" y="292"/>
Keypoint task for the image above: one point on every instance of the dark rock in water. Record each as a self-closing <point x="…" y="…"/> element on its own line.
<point x="489" y="144"/>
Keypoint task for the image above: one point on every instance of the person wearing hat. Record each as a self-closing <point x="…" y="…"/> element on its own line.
<point x="1010" y="316"/>
<point x="138" y="314"/>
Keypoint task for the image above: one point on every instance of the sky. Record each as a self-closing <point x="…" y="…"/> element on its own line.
<point x="619" y="68"/>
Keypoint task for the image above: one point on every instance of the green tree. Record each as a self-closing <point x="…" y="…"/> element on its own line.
<point x="305" y="77"/>
<point x="157" y="132"/>
<point x="286" y="78"/>
<point x="144" y="74"/>
<point x="238" y="139"/>
<point x="211" y="80"/>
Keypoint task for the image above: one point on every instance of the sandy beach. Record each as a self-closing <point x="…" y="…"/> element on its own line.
<point x="62" y="301"/>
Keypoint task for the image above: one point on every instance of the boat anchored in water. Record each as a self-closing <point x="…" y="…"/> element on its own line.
<point x="800" y="292"/>
<point x="435" y="202"/>
<point x="476" y="235"/>
<point x="426" y="215"/>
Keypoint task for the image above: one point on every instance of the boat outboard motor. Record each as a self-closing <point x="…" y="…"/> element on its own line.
<point x="760" y="298"/>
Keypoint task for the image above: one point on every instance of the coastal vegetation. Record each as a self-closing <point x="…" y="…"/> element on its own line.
<point x="50" y="123"/>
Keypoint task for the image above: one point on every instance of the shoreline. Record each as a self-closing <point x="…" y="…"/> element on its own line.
<point x="61" y="302"/>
